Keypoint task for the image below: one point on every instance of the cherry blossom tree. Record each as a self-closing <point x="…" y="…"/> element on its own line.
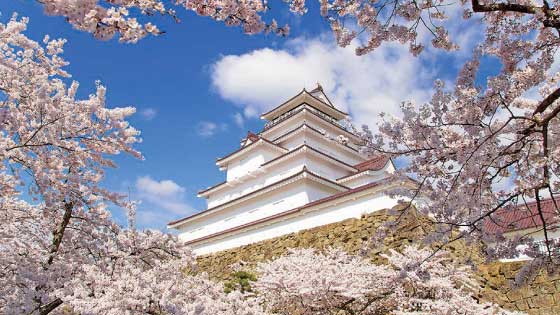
<point x="468" y="140"/>
<point x="373" y="21"/>
<point x="107" y="18"/>
<point x="477" y="148"/>
<point x="306" y="282"/>
<point x="489" y="145"/>
<point x="60" y="250"/>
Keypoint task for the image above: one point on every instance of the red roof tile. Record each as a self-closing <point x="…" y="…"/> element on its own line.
<point x="522" y="217"/>
<point x="251" y="136"/>
<point x="374" y="164"/>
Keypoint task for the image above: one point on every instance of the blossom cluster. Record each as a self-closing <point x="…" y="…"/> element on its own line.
<point x="414" y="282"/>
<point x="60" y="250"/>
<point x="105" y="19"/>
<point x="382" y="20"/>
<point x="479" y="151"/>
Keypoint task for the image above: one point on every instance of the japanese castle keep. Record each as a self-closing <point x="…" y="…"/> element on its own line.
<point x="302" y="170"/>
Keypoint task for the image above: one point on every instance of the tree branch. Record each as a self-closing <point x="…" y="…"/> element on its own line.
<point x="58" y="234"/>
<point x="513" y="7"/>
<point x="547" y="101"/>
<point x="551" y="21"/>
<point x="46" y="309"/>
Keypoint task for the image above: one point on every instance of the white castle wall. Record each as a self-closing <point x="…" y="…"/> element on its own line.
<point x="370" y="177"/>
<point x="290" y="166"/>
<point x="249" y="162"/>
<point x="325" y="146"/>
<point x="288" y="197"/>
<point x="350" y="208"/>
<point x="296" y="121"/>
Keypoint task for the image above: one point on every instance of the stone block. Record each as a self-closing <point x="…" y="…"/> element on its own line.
<point x="556" y="297"/>
<point x="514" y="295"/>
<point x="522" y="305"/>
<point x="541" y="301"/>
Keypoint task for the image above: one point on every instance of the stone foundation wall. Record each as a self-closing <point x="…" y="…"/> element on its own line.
<point x="540" y="297"/>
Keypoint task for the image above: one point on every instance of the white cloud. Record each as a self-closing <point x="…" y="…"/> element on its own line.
<point x="208" y="128"/>
<point x="161" y="201"/>
<point x="261" y="79"/>
<point x="163" y="188"/>
<point x="148" y="113"/>
<point x="364" y="85"/>
<point x="239" y="120"/>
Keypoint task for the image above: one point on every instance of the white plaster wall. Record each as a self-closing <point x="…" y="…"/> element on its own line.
<point x="245" y="212"/>
<point x="311" y="138"/>
<point x="259" y="180"/>
<point x="287" y="197"/>
<point x="367" y="203"/>
<point x="250" y="161"/>
<point x="369" y="177"/>
<point x="362" y="180"/>
<point x="537" y="236"/>
<point x="275" y="173"/>
<point x="285" y="127"/>
<point x="316" y="192"/>
<point x="325" y="169"/>
<point x="325" y="146"/>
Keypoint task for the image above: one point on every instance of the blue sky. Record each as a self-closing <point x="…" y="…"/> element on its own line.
<point x="200" y="87"/>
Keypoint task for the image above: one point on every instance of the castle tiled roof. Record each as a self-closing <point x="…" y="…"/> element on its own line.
<point x="524" y="216"/>
<point x="373" y="164"/>
<point x="321" y="105"/>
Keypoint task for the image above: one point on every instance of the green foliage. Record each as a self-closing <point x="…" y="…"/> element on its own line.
<point x="241" y="281"/>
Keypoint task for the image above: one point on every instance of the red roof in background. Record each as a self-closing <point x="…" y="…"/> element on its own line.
<point x="374" y="164"/>
<point x="522" y="217"/>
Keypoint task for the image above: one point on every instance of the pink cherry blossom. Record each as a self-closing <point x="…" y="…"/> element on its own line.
<point x="60" y="248"/>
<point x="310" y="283"/>
<point x="478" y="150"/>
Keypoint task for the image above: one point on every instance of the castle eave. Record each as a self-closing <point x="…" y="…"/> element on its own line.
<point x="221" y="162"/>
<point x="318" y="134"/>
<point x="301" y="98"/>
<point x="304" y="174"/>
<point x="303" y="149"/>
<point x="311" y="206"/>
<point x="305" y="111"/>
